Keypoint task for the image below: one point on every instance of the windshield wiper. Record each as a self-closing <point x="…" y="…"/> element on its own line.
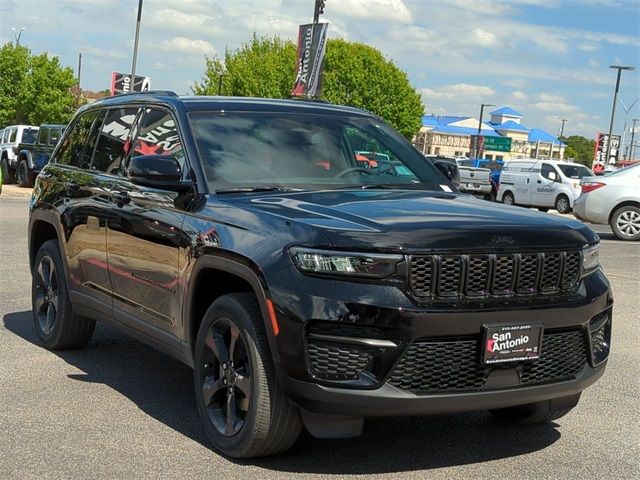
<point x="252" y="189"/>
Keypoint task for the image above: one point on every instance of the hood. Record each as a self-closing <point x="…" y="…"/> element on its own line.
<point x="418" y="221"/>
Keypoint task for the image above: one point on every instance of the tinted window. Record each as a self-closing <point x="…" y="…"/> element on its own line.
<point x="42" y="135"/>
<point x="54" y="135"/>
<point x="12" y="134"/>
<point x="113" y="141"/>
<point x="72" y="151"/>
<point x="157" y="135"/>
<point x="29" y="135"/>
<point x="575" y="171"/>
<point x="300" y="150"/>
<point x="546" y="170"/>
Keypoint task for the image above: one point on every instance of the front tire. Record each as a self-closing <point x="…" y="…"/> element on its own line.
<point x="55" y="323"/>
<point x="625" y="223"/>
<point x="508" y="199"/>
<point x="26" y="178"/>
<point x="8" y="175"/>
<point x="240" y="403"/>
<point x="562" y="204"/>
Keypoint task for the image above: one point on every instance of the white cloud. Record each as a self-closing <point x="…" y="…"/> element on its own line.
<point x="388" y="10"/>
<point x="518" y="95"/>
<point x="593" y="63"/>
<point x="458" y="92"/>
<point x="188" y="46"/>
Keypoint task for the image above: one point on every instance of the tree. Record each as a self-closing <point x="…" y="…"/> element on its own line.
<point x="354" y="74"/>
<point x="579" y="149"/>
<point x="34" y="89"/>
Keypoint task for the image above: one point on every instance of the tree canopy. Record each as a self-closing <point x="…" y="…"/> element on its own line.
<point x="354" y="74"/>
<point x="34" y="89"/>
<point x="579" y="149"/>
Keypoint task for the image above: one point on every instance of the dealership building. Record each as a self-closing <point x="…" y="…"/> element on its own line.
<point x="450" y="136"/>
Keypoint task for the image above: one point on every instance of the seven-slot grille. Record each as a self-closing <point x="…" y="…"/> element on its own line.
<point x="500" y="275"/>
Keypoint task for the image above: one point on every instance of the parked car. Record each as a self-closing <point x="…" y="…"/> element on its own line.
<point x="33" y="156"/>
<point x="475" y="180"/>
<point x="494" y="165"/>
<point x="541" y="183"/>
<point x="10" y="138"/>
<point x="612" y="199"/>
<point x="307" y="293"/>
<point x="448" y="167"/>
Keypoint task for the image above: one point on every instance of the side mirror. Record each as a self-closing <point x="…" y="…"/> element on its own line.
<point x="157" y="171"/>
<point x="553" y="176"/>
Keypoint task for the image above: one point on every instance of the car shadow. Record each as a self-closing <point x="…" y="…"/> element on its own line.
<point x="162" y="388"/>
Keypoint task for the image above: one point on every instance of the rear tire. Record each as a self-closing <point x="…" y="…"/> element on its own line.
<point x="26" y="178"/>
<point x="625" y="223"/>
<point x="562" y="204"/>
<point x="508" y="199"/>
<point x="8" y="174"/>
<point x="263" y="420"/>
<point x="55" y="323"/>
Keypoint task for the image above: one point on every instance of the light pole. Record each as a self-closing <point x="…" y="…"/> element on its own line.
<point x="135" y="48"/>
<point x="624" y="128"/>
<point x="613" y="109"/>
<point x="476" y="150"/>
<point x="17" y="34"/>
<point x="561" y="135"/>
<point x="318" y="10"/>
<point x="633" y="134"/>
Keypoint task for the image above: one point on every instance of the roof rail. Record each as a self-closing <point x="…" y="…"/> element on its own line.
<point x="165" y="93"/>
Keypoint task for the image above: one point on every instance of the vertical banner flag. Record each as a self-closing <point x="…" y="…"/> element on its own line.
<point x="121" y="83"/>
<point x="477" y="146"/>
<point x="600" y="160"/>
<point x="312" y="43"/>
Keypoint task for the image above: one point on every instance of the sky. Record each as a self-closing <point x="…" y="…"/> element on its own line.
<point x="548" y="59"/>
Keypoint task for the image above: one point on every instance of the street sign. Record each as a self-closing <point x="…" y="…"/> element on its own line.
<point x="497" y="144"/>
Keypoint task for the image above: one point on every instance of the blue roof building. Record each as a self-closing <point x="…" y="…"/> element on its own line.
<point x="450" y="135"/>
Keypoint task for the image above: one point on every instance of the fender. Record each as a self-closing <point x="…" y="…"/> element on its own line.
<point x="243" y="268"/>
<point x="49" y="215"/>
<point x="27" y="155"/>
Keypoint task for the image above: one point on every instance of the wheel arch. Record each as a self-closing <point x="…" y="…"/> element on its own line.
<point x="42" y="227"/>
<point x="231" y="275"/>
<point x="625" y="203"/>
<point x="26" y="155"/>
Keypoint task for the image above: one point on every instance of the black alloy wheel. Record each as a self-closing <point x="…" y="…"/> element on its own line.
<point x="226" y="377"/>
<point x="46" y="299"/>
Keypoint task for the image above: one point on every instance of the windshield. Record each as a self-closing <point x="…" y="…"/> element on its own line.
<point x="575" y="171"/>
<point x="307" y="151"/>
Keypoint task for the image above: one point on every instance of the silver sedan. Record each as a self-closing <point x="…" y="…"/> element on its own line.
<point x="613" y="199"/>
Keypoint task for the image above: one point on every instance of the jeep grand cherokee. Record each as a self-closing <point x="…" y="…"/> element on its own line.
<point x="242" y="237"/>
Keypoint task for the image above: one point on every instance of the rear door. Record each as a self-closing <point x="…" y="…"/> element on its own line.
<point x="82" y="202"/>
<point x="144" y="235"/>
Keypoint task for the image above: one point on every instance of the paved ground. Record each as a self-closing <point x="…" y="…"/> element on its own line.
<point x="118" y="409"/>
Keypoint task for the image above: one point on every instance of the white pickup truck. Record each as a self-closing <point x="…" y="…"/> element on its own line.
<point x="475" y="180"/>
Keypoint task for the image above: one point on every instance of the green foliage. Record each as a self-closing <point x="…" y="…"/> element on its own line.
<point x="355" y="74"/>
<point x="579" y="149"/>
<point x="34" y="89"/>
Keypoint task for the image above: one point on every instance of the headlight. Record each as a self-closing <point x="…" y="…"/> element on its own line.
<point x="344" y="263"/>
<point x="590" y="258"/>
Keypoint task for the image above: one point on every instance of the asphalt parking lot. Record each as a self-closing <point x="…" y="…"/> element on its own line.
<point x="118" y="409"/>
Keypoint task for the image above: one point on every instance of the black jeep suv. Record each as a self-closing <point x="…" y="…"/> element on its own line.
<point x="242" y="237"/>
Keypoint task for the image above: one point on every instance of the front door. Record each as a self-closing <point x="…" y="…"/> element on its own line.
<point x="144" y="235"/>
<point x="546" y="187"/>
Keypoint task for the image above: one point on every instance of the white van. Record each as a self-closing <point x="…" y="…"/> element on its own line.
<point x="541" y="183"/>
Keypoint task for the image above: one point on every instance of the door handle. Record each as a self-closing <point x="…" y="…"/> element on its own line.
<point x="121" y="198"/>
<point x="71" y="187"/>
<point x="539" y="181"/>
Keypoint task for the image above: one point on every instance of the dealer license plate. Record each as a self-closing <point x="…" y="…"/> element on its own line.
<point x="511" y="343"/>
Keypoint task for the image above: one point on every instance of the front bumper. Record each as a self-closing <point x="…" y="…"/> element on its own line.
<point x="349" y="305"/>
